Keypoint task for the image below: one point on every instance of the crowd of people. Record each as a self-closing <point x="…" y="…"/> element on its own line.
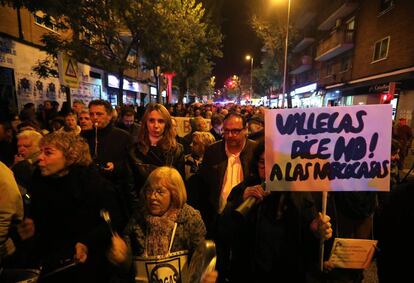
<point x="167" y="194"/>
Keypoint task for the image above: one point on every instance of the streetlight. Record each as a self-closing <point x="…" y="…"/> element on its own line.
<point x="248" y="57"/>
<point x="289" y="99"/>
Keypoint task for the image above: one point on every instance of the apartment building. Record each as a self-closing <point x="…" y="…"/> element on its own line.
<point x="354" y="52"/>
<point x="20" y="51"/>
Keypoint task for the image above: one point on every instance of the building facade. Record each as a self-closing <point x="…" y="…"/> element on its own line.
<point x="21" y="49"/>
<point x="354" y="52"/>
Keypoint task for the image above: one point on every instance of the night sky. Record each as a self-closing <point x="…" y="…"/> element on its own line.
<point x="239" y="40"/>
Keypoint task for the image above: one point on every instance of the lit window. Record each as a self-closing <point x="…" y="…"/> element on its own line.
<point x="43" y="20"/>
<point x="381" y="49"/>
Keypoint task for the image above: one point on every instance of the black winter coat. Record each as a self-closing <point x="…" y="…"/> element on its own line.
<point x="114" y="145"/>
<point x="212" y="171"/>
<point x="144" y="164"/>
<point x="66" y="210"/>
<point x="273" y="241"/>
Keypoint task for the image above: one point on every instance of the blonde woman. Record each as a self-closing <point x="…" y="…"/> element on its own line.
<point x="157" y="145"/>
<point x="163" y="236"/>
<point x="67" y="197"/>
<point x="200" y="141"/>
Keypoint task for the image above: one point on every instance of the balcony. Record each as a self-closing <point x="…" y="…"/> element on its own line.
<point x="304" y="18"/>
<point x="338" y="42"/>
<point x="341" y="12"/>
<point x="303" y="44"/>
<point x="302" y="64"/>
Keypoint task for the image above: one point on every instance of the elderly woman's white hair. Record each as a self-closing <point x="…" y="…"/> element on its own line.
<point x="32" y="135"/>
<point x="169" y="178"/>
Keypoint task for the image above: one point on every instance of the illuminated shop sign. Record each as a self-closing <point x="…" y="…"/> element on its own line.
<point x="304" y="89"/>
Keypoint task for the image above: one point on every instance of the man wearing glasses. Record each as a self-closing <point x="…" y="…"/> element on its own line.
<point x="225" y="164"/>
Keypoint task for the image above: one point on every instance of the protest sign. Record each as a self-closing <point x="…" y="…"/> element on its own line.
<point x="184" y="125"/>
<point x="328" y="149"/>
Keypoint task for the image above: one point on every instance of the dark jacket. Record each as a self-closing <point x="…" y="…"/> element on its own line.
<point x="394" y="239"/>
<point x="114" y="145"/>
<point x="272" y="241"/>
<point x="218" y="137"/>
<point x="133" y="130"/>
<point x="212" y="171"/>
<point x="66" y="210"/>
<point x="144" y="164"/>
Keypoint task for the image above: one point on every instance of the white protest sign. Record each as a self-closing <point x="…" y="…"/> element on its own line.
<point x="328" y="149"/>
<point x="352" y="253"/>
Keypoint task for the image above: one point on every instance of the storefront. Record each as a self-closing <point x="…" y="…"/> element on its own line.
<point x="153" y="92"/>
<point x="307" y="96"/>
<point x="134" y="92"/>
<point x="374" y="94"/>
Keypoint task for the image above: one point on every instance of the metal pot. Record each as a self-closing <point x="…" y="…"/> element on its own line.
<point x="19" y="275"/>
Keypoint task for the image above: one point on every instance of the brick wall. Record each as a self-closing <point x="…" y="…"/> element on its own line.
<point x="397" y="23"/>
<point x="32" y="32"/>
<point x="8" y="21"/>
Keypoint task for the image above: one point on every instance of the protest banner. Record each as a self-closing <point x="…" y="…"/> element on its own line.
<point x="184" y="125"/>
<point x="328" y="149"/>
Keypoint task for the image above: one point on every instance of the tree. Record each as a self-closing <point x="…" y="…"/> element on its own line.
<point x="272" y="31"/>
<point x="172" y="35"/>
<point x="188" y="46"/>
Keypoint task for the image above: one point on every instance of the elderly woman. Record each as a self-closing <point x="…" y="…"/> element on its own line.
<point x="65" y="223"/>
<point x="157" y="145"/>
<point x="25" y="161"/>
<point x="163" y="231"/>
<point x="200" y="141"/>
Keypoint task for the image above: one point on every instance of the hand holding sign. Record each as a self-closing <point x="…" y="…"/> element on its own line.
<point x="321" y="227"/>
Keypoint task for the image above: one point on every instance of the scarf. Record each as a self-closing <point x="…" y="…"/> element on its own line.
<point x="159" y="232"/>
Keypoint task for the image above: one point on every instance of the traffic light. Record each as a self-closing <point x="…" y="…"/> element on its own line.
<point x="386" y="98"/>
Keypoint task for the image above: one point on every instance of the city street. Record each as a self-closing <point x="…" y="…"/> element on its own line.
<point x="137" y="136"/>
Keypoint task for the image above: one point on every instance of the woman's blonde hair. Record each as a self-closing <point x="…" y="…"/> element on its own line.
<point x="74" y="148"/>
<point x="167" y="141"/>
<point x="206" y="138"/>
<point x="32" y="135"/>
<point x="169" y="178"/>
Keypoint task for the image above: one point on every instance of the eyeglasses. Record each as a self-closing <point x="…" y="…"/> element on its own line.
<point x="157" y="191"/>
<point x="234" y="132"/>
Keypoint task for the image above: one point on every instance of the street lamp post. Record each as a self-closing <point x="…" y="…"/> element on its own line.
<point x="248" y="57"/>
<point x="289" y="99"/>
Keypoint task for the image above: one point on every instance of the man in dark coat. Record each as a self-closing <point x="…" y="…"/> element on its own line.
<point x="127" y="122"/>
<point x="226" y="163"/>
<point x="110" y="147"/>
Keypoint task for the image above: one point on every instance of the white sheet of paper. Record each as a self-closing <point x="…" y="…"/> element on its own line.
<point x="352" y="253"/>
